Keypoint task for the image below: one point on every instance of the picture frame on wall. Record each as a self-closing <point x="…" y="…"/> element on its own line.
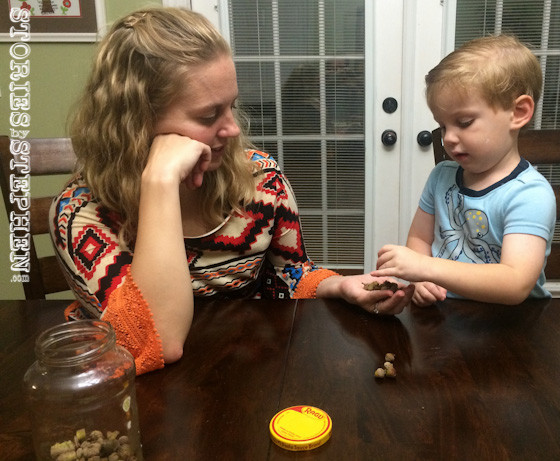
<point x="177" y="3"/>
<point x="55" y="20"/>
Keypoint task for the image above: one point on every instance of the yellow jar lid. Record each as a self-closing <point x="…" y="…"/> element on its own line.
<point x="300" y="427"/>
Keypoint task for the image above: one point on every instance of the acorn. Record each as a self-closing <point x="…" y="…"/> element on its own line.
<point x="380" y="373"/>
<point x="389" y="357"/>
<point x="391" y="372"/>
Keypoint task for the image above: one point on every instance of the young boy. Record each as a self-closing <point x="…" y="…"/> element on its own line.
<point x="484" y="225"/>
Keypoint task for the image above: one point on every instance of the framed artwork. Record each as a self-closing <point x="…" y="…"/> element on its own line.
<point x="55" y="20"/>
<point x="177" y="3"/>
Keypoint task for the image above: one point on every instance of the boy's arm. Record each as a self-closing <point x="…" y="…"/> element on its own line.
<point x="421" y="233"/>
<point x="508" y="282"/>
<point x="420" y="239"/>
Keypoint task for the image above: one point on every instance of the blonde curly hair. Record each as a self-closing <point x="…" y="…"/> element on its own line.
<point x="139" y="68"/>
<point x="500" y="67"/>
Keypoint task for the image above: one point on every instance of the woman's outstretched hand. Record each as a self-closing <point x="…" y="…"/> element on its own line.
<point x="351" y="289"/>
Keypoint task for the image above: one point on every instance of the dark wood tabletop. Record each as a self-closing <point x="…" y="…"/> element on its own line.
<point x="474" y="381"/>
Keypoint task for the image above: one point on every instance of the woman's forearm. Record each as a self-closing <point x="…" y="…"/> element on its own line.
<point x="159" y="266"/>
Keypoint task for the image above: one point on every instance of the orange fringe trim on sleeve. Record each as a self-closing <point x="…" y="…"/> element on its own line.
<point x="307" y="286"/>
<point x="128" y="312"/>
<point x="69" y="311"/>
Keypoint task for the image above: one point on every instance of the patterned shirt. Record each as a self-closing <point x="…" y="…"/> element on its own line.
<point x="257" y="253"/>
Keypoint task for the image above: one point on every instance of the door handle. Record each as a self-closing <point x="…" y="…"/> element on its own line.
<point x="424" y="138"/>
<point x="388" y="137"/>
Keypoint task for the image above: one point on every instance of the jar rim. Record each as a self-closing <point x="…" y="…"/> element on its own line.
<point x="75" y="342"/>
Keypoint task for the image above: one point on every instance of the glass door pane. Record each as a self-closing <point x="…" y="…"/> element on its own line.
<point x="300" y="68"/>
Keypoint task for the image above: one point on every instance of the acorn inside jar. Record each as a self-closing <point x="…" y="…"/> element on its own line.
<point x="81" y="395"/>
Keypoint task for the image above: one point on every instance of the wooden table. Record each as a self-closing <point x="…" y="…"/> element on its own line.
<point x="475" y="381"/>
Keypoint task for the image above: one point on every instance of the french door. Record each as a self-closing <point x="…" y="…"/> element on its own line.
<point x="334" y="91"/>
<point x="358" y="173"/>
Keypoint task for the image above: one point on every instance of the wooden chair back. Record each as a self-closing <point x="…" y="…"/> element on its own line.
<point x="542" y="149"/>
<point x="46" y="156"/>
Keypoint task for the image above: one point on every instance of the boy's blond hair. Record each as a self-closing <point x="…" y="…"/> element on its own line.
<point x="500" y="68"/>
<point x="139" y="70"/>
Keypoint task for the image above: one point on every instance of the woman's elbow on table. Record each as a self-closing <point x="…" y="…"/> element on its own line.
<point x="172" y="352"/>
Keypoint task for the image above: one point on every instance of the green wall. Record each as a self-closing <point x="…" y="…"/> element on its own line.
<point x="58" y="73"/>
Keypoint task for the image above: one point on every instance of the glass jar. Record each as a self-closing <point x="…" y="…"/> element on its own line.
<point x="81" y="395"/>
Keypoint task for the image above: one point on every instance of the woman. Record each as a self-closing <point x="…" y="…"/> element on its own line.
<point x="169" y="202"/>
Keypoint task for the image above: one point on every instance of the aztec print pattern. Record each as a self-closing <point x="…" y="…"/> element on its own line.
<point x="257" y="253"/>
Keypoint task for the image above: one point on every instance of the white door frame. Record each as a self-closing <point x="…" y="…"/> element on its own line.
<point x="208" y="8"/>
<point x="404" y="40"/>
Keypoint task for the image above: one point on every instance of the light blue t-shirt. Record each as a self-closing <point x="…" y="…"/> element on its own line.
<point x="470" y="225"/>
